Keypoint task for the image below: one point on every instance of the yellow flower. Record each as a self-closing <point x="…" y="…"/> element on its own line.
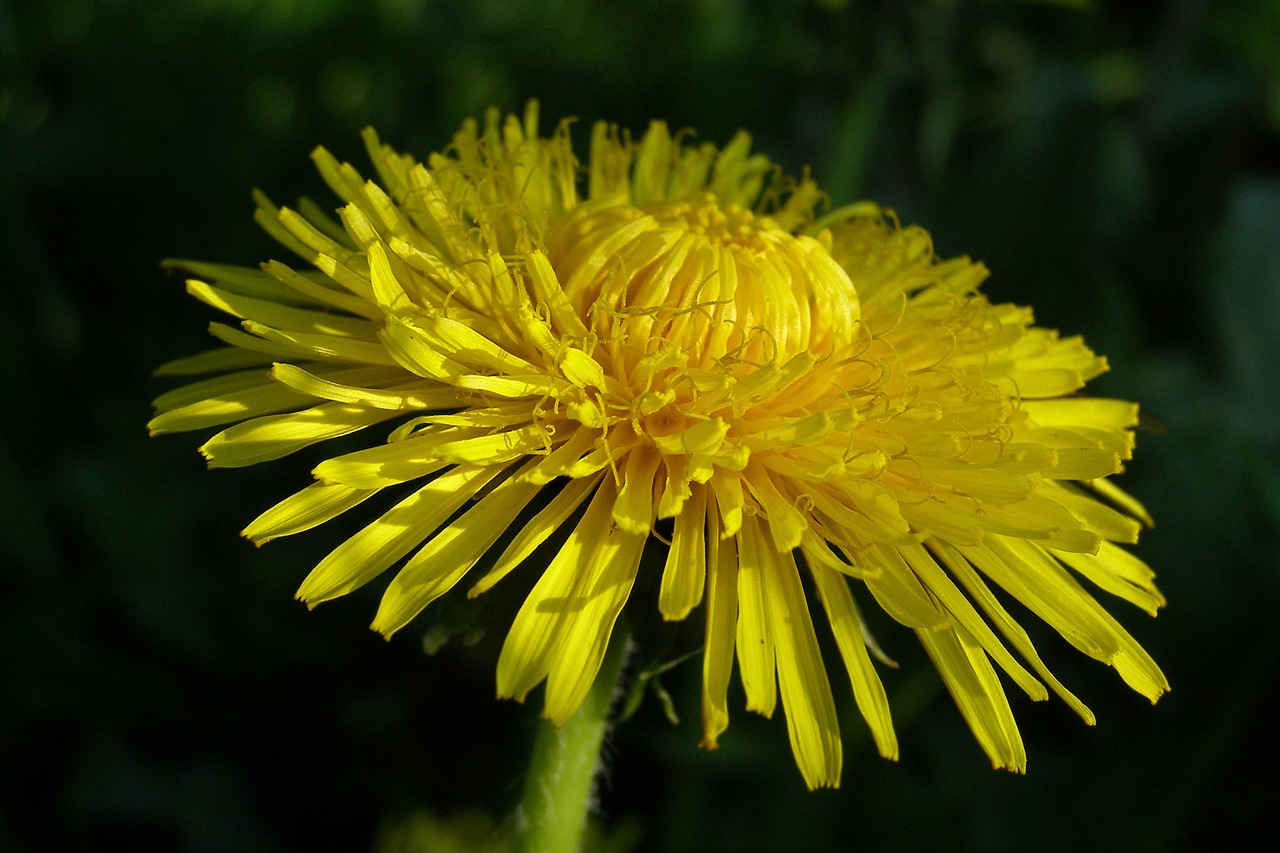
<point x="676" y="348"/>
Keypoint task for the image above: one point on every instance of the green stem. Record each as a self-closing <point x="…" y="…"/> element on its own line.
<point x="560" y="784"/>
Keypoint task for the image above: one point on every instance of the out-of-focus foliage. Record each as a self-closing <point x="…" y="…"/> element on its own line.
<point x="478" y="832"/>
<point x="1115" y="165"/>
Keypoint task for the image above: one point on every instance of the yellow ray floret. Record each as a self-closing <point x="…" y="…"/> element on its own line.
<point x="677" y="355"/>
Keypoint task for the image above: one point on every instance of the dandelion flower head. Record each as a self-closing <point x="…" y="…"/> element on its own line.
<point x="672" y="345"/>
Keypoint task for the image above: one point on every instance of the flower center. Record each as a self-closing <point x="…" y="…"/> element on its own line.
<point x="720" y="285"/>
<point x="702" y="216"/>
<point x="700" y="314"/>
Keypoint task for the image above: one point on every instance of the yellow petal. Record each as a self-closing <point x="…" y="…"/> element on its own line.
<point x="322" y="292"/>
<point x="755" y="639"/>
<point x="1042" y="584"/>
<point x="245" y="281"/>
<point x="559" y="461"/>
<point x="1006" y="624"/>
<point x="495" y="449"/>
<point x="450" y="554"/>
<point x="806" y="693"/>
<point x="410" y="350"/>
<point x="786" y="524"/>
<point x="1120" y="573"/>
<point x="548" y="291"/>
<point x="273" y="436"/>
<point x="728" y="490"/>
<point x="322" y="347"/>
<point x="400" y="397"/>
<point x="466" y="346"/>
<point x="357" y="283"/>
<point x="722" y="618"/>
<point x="223" y="399"/>
<point x="536" y="531"/>
<point x="1122" y="499"/>
<point x="633" y="511"/>
<point x="962" y="613"/>
<point x="898" y="591"/>
<point x="267" y="215"/>
<point x="387" y="464"/>
<point x="533" y="385"/>
<point x="977" y="692"/>
<point x="533" y="641"/>
<point x="868" y="691"/>
<point x="1100" y="518"/>
<point x="1046" y="587"/>
<point x="304" y="510"/>
<point x="587" y="622"/>
<point x="342" y="178"/>
<point x="685" y="571"/>
<point x="1097" y="412"/>
<point x="371" y="551"/>
<point x="306" y="234"/>
<point x="653" y="164"/>
<point x="285" y="317"/>
<point x="388" y="292"/>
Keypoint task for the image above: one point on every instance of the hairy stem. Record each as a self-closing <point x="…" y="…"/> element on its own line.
<point x="560" y="786"/>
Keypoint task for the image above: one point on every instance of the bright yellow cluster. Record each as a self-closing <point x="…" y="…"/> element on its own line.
<point x="818" y="405"/>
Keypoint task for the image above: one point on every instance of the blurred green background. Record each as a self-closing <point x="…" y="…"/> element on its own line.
<point x="1116" y="165"/>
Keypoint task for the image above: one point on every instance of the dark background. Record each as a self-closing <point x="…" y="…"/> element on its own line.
<point x="1115" y="165"/>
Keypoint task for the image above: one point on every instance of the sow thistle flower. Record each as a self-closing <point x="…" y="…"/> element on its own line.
<point x="670" y="343"/>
